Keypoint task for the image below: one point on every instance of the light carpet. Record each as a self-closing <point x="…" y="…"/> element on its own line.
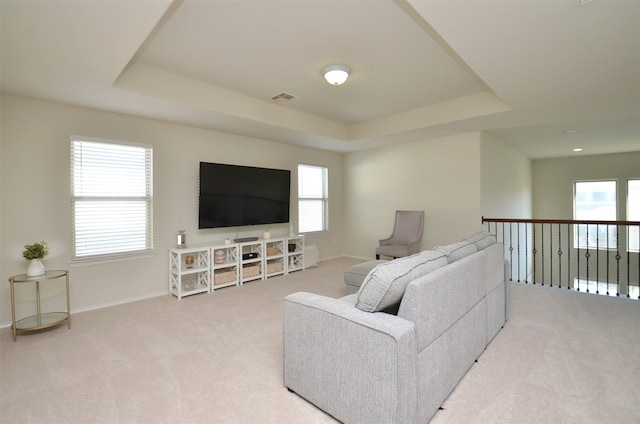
<point x="217" y="358"/>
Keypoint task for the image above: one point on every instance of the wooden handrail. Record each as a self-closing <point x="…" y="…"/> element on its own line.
<point x="559" y="221"/>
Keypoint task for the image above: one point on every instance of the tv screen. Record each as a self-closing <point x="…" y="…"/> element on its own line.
<point x="234" y="196"/>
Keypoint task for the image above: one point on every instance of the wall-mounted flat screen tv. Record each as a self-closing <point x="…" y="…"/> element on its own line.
<point x="234" y="196"/>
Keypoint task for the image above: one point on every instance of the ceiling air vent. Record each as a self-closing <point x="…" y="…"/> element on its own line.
<point x="283" y="97"/>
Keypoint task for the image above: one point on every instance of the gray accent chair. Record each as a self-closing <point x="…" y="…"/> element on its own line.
<point x="406" y="237"/>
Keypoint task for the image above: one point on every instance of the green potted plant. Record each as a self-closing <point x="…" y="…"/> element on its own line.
<point x="34" y="252"/>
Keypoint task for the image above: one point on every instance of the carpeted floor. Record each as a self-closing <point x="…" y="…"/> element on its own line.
<point x="217" y="358"/>
<point x="563" y="357"/>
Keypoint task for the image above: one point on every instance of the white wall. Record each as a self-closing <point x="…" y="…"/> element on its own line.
<point x="35" y="193"/>
<point x="455" y="180"/>
<point x="553" y="180"/>
<point x="440" y="176"/>
<point x="553" y="199"/>
<point x="507" y="193"/>
<point x="506" y="181"/>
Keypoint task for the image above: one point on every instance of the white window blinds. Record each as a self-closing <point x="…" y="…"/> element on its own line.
<point x="111" y="199"/>
<point x="313" y="199"/>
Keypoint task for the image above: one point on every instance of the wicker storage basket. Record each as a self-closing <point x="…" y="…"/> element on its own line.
<point x="250" y="270"/>
<point x="224" y="276"/>
<point x="274" y="266"/>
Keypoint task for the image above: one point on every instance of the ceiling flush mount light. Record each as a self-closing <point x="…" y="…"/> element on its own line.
<point x="577" y="149"/>
<point x="336" y="74"/>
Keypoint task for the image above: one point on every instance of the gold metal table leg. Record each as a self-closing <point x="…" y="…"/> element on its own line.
<point x="38" y="313"/>
<point x="13" y="308"/>
<point x="68" y="302"/>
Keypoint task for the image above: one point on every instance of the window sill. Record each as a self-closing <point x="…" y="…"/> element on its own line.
<point x="105" y="259"/>
<point x="316" y="234"/>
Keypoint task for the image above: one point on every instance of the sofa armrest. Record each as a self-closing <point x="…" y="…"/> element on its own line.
<point x="360" y="367"/>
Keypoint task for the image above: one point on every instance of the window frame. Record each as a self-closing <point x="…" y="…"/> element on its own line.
<point x="77" y="258"/>
<point x="633" y="233"/>
<point x="603" y="244"/>
<point x="323" y="198"/>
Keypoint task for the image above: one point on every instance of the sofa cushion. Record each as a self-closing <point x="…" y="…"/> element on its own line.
<point x="457" y="250"/>
<point x="482" y="239"/>
<point x="384" y="286"/>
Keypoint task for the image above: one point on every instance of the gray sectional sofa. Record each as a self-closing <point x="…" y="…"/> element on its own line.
<point x="394" y="351"/>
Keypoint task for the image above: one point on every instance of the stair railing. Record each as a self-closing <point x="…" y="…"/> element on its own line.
<point x="599" y="257"/>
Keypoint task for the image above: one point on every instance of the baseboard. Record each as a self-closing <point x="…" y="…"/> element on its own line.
<point x="120" y="302"/>
<point x="359" y="257"/>
<point x="105" y="305"/>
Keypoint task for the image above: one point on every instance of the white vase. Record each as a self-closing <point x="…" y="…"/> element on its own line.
<point x="35" y="268"/>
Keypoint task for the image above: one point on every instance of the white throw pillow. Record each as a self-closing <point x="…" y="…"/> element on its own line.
<point x="385" y="284"/>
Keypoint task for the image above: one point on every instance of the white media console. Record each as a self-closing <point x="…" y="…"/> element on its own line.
<point x="204" y="269"/>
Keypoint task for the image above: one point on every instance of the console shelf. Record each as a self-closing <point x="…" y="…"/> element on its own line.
<point x="275" y="251"/>
<point x="251" y="261"/>
<point x="295" y="254"/>
<point x="189" y="271"/>
<point x="225" y="266"/>
<point x="209" y="268"/>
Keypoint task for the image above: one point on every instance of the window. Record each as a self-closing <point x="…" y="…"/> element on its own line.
<point x="313" y="199"/>
<point x="111" y="199"/>
<point x="595" y="201"/>
<point x="633" y="214"/>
